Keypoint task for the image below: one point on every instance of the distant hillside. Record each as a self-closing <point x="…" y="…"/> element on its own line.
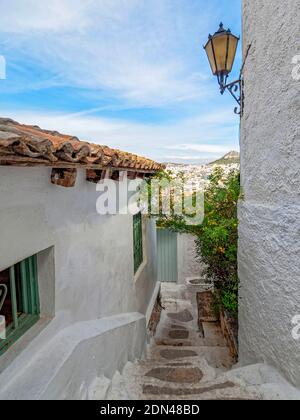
<point x="229" y="159"/>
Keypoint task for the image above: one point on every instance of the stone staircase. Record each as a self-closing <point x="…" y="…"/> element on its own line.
<point x="188" y="360"/>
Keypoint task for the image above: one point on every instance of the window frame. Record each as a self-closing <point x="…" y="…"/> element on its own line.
<point x="138" y="242"/>
<point x="26" y="298"/>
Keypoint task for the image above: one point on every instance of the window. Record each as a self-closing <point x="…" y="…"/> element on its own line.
<point x="19" y="300"/>
<point x="137" y="241"/>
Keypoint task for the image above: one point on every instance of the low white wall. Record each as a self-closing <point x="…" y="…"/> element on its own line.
<point x="93" y="273"/>
<point x="188" y="261"/>
<point x="66" y="366"/>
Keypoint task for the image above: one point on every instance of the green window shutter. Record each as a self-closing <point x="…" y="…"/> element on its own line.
<point x="137" y="241"/>
<point x="22" y="301"/>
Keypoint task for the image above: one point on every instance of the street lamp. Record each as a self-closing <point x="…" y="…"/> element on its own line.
<point x="221" y="51"/>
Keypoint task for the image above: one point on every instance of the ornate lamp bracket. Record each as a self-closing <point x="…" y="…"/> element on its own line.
<point x="235" y="90"/>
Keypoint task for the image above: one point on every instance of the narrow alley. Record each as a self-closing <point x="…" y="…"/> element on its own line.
<point x="187" y="358"/>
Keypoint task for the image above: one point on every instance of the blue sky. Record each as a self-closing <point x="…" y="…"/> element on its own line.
<point x="131" y="74"/>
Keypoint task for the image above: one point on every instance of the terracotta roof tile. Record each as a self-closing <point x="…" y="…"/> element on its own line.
<point x="30" y="145"/>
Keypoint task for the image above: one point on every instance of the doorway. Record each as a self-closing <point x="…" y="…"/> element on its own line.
<point x="167" y="256"/>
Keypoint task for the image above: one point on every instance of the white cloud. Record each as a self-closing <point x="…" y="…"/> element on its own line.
<point x="27" y="16"/>
<point x="185" y="158"/>
<point x="122" y="54"/>
<point x="201" y="134"/>
<point x="134" y="50"/>
<point x="203" y="148"/>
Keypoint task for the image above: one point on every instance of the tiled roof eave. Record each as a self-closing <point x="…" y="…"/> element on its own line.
<point x="23" y="161"/>
<point x="23" y="145"/>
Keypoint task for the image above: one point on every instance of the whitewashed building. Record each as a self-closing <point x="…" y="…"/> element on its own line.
<point x="77" y="288"/>
<point x="269" y="245"/>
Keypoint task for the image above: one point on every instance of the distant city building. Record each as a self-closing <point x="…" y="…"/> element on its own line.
<point x="197" y="175"/>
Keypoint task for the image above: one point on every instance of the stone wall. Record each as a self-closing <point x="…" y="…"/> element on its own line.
<point x="269" y="233"/>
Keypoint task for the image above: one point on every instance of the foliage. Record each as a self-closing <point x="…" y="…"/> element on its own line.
<point x="217" y="237"/>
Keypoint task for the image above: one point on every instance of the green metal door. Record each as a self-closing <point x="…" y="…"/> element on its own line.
<point x="167" y="256"/>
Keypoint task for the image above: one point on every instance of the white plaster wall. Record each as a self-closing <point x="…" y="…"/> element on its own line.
<point x="148" y="270"/>
<point x="188" y="261"/>
<point x="269" y="233"/>
<point x="94" y="277"/>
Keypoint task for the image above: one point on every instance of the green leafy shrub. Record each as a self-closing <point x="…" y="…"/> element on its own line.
<point x="217" y="237"/>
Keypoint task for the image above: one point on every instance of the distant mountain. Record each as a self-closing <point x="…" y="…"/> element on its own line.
<point x="229" y="159"/>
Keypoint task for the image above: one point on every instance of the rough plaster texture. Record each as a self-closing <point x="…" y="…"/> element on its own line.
<point x="269" y="233"/>
<point x="188" y="263"/>
<point x="86" y="275"/>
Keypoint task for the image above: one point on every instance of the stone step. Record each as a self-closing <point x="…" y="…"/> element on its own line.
<point x="194" y="339"/>
<point x="152" y="369"/>
<point x="182" y="391"/>
<point x="149" y="380"/>
<point x="222" y="391"/>
<point x="189" y="360"/>
<point x="173" y="343"/>
<point x="218" y="357"/>
<point x="253" y="382"/>
<point x="176" y="374"/>
<point x="184" y="316"/>
<point x="143" y="381"/>
<point x="184" y="359"/>
<point x="179" y="330"/>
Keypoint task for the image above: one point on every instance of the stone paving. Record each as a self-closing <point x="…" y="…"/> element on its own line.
<point x="183" y="360"/>
<point x="189" y="360"/>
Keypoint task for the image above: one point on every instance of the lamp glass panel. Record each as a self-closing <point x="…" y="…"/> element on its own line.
<point x="211" y="58"/>
<point x="233" y="43"/>
<point x="220" y="48"/>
